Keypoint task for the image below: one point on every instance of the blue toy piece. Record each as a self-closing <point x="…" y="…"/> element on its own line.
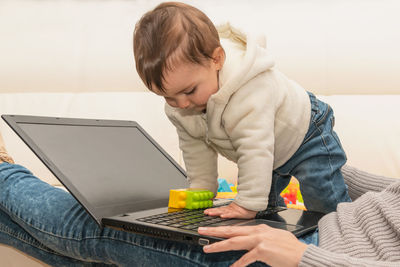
<point x="223" y="185"/>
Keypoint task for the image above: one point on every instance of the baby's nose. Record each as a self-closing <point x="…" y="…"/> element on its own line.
<point x="183" y="103"/>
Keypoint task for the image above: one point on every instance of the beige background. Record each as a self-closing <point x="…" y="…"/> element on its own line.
<point x="330" y="47"/>
<point x="68" y="48"/>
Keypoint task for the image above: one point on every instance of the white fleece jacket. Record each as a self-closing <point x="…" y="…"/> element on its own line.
<point x="258" y="118"/>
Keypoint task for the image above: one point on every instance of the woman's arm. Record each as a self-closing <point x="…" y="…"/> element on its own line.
<point x="315" y="256"/>
<point x="277" y="247"/>
<point x="360" y="182"/>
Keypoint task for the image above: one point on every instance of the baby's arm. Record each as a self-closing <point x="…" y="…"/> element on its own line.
<point x="250" y="125"/>
<point x="200" y="160"/>
<point x="201" y="164"/>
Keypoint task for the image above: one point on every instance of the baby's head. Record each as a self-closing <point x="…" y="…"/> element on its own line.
<point x="178" y="54"/>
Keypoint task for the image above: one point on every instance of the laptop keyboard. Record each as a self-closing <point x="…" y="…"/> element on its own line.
<point x="191" y="219"/>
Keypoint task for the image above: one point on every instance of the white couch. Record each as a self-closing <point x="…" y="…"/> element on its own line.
<point x="74" y="58"/>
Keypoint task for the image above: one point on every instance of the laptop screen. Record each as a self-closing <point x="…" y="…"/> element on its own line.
<point x="110" y="168"/>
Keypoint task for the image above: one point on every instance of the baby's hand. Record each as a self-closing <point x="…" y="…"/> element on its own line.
<point x="231" y="211"/>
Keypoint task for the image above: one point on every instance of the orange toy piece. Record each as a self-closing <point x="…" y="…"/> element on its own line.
<point x="290" y="196"/>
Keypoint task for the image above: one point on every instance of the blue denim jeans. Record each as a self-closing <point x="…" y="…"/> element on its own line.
<point x="311" y="238"/>
<point x="316" y="164"/>
<point x="50" y="225"/>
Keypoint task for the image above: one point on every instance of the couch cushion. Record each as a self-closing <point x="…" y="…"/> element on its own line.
<point x="369" y="128"/>
<point x="368" y="125"/>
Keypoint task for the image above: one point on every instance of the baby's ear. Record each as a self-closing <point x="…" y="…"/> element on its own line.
<point x="218" y="57"/>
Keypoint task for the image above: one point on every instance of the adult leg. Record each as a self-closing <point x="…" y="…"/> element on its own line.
<point x="61" y="226"/>
<point x="13" y="235"/>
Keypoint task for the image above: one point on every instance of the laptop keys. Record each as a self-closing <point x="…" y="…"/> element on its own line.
<point x="185" y="219"/>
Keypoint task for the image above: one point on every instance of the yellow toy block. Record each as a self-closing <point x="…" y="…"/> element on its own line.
<point x="190" y="198"/>
<point x="234" y="188"/>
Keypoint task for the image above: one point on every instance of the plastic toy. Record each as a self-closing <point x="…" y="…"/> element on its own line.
<point x="233" y="187"/>
<point x="223" y="185"/>
<point x="292" y="195"/>
<point x="226" y="190"/>
<point x="190" y="198"/>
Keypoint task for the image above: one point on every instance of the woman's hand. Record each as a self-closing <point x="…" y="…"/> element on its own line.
<point x="272" y="246"/>
<point x="231" y="211"/>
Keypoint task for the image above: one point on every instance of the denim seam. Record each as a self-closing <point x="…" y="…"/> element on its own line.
<point x="15" y="218"/>
<point x="6" y="230"/>
<point x="41" y="247"/>
<point x="317" y="123"/>
<point x="334" y="135"/>
<point x="156" y="250"/>
<point x="330" y="160"/>
<point x="53" y="234"/>
<point x="320" y="121"/>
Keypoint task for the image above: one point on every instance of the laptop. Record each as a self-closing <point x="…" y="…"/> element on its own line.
<point x="122" y="177"/>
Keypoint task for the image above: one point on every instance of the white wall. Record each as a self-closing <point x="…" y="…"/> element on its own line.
<point x="330" y="47"/>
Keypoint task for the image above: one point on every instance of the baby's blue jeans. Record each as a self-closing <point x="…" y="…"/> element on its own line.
<point x="316" y="164"/>
<point x="50" y="225"/>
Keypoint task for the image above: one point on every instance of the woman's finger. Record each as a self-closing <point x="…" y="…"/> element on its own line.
<point x="246" y="259"/>
<point x="225" y="231"/>
<point x="234" y="243"/>
<point x="231" y="231"/>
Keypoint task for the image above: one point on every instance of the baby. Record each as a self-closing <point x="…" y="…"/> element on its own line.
<point x="224" y="96"/>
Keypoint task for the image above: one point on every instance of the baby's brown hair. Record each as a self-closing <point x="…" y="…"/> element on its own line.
<point x="171" y="34"/>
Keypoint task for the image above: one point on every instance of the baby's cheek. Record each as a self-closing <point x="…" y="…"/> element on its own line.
<point x="171" y="103"/>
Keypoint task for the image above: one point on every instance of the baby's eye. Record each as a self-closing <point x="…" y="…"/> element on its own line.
<point x="191" y="91"/>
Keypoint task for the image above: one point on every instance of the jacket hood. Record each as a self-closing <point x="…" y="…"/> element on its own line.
<point x="245" y="57"/>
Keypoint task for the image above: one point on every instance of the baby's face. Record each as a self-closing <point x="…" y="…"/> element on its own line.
<point x="189" y="86"/>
